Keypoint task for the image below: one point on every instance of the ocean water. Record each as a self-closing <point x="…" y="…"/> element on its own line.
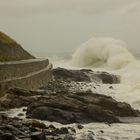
<point x="110" y="55"/>
<point x="113" y="56"/>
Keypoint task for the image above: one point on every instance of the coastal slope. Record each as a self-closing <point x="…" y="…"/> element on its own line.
<point x="10" y="50"/>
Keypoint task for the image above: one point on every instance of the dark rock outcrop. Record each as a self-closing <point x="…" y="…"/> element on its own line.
<point x="85" y="75"/>
<point x="79" y="108"/>
<point x="16" y="97"/>
<point x="65" y="80"/>
<point x="57" y="103"/>
<point x="10" y="50"/>
<point x="16" y="129"/>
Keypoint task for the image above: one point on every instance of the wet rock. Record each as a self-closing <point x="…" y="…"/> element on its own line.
<point x="90" y="136"/>
<point x="7" y="136"/>
<point x="69" y="137"/>
<point x="20" y="114"/>
<point x="84" y="75"/>
<point x="101" y="138"/>
<point x="71" y="130"/>
<point x="64" y="81"/>
<point x="67" y="80"/>
<point x="101" y="131"/>
<point x="111" y="87"/>
<point x="108" y="78"/>
<point x="24" y="109"/>
<point x="79" y="126"/>
<point x="33" y="129"/>
<point x="51" y="127"/>
<point x="17" y="97"/>
<point x="62" y="130"/>
<point x="10" y="101"/>
<point x="35" y="124"/>
<point x="20" y="92"/>
<point x="38" y="136"/>
<point x="71" y="75"/>
<point x="80" y="107"/>
<point x="13" y="129"/>
<point x="17" y="129"/>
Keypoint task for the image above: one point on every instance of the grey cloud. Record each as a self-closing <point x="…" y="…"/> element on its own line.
<point x="65" y="24"/>
<point x="31" y="7"/>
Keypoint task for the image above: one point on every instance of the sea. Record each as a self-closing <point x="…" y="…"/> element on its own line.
<point x="113" y="56"/>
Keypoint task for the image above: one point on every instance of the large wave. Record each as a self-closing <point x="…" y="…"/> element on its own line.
<point x="102" y="51"/>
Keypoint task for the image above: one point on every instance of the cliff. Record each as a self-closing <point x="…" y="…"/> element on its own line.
<point x="10" y="50"/>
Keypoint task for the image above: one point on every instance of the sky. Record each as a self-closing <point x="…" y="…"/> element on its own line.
<point x="54" y="26"/>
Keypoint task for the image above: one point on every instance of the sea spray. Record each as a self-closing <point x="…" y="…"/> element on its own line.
<point x="105" y="51"/>
<point x="112" y="55"/>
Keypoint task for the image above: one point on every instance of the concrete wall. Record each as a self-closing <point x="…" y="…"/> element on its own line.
<point x="28" y="74"/>
<point x="21" y="68"/>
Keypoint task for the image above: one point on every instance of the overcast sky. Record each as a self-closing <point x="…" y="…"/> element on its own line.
<point x="50" y="26"/>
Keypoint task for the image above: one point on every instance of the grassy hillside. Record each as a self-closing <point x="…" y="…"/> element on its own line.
<point x="10" y="50"/>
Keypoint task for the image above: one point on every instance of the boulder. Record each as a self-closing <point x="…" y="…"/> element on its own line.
<point x="7" y="136"/>
<point x="65" y="80"/>
<point x="17" y="97"/>
<point x="85" y="75"/>
<point x="82" y="107"/>
<point x="16" y="129"/>
<point x="38" y="136"/>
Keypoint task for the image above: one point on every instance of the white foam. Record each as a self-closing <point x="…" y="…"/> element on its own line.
<point x="111" y="55"/>
<point x="108" y="51"/>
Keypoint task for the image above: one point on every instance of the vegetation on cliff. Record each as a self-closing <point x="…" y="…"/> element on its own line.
<point x="10" y="50"/>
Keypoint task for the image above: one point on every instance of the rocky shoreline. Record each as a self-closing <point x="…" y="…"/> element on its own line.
<point x="64" y="100"/>
<point x="18" y="129"/>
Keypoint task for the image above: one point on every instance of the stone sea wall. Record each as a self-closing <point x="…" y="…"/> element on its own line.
<point x="29" y="74"/>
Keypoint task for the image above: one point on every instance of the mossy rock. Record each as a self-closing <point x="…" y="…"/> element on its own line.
<point x="6" y="39"/>
<point x="10" y="50"/>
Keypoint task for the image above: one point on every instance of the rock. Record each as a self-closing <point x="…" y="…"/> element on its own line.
<point x="69" y="137"/>
<point x="71" y="75"/>
<point x="35" y="124"/>
<point x="17" y="97"/>
<point x="90" y="136"/>
<point x="101" y="131"/>
<point x="101" y="138"/>
<point x="72" y="130"/>
<point x="73" y="80"/>
<point x="13" y="100"/>
<point x="108" y="78"/>
<point x="13" y="129"/>
<point x="16" y="129"/>
<point x="80" y="107"/>
<point x="33" y="129"/>
<point x="7" y="136"/>
<point x="64" y="81"/>
<point x="111" y="87"/>
<point x="62" y="130"/>
<point x="84" y="75"/>
<point x="51" y="127"/>
<point x="20" y="114"/>
<point x="38" y="136"/>
<point x="1" y="133"/>
<point x="137" y="139"/>
<point x="20" y="92"/>
<point x="91" y="132"/>
<point x="24" y="110"/>
<point x="79" y="126"/>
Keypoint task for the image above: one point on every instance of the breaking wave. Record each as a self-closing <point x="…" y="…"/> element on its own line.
<point x="110" y="52"/>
